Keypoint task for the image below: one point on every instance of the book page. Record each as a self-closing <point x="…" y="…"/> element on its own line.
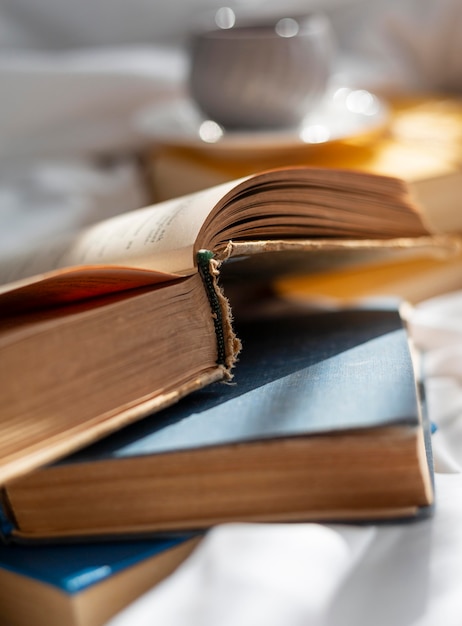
<point x="75" y="284"/>
<point x="160" y="237"/>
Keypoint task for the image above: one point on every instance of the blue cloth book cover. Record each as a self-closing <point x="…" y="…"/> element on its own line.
<point x="82" y="584"/>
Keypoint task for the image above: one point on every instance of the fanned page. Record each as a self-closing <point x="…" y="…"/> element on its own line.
<point x="148" y="246"/>
<point x="314" y="203"/>
<point x="159" y="243"/>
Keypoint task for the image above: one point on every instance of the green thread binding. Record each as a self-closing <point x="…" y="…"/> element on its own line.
<point x="203" y="262"/>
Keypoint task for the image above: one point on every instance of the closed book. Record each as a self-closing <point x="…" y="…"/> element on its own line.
<point x="324" y="421"/>
<point x="83" y="584"/>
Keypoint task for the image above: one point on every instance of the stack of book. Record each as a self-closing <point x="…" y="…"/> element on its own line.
<point x="115" y="422"/>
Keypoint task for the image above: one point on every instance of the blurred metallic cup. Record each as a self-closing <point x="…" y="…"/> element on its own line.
<point x="261" y="76"/>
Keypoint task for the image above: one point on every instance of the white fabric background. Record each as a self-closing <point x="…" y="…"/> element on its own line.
<point x="72" y="77"/>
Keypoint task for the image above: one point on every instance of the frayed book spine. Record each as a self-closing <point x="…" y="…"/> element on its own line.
<point x="228" y="345"/>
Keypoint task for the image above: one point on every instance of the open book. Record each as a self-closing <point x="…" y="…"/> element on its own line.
<point x="128" y="317"/>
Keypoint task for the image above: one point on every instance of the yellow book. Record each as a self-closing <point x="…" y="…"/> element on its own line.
<point x="422" y="143"/>
<point x="412" y="280"/>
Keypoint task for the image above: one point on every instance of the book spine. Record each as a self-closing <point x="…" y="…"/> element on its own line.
<point x="228" y="345"/>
